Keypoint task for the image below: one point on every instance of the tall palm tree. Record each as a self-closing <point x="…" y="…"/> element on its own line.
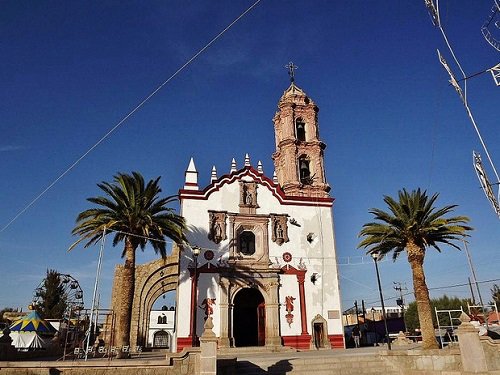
<point x="135" y="214"/>
<point x="414" y="224"/>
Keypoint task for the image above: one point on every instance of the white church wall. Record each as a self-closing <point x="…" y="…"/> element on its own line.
<point x="289" y="287"/>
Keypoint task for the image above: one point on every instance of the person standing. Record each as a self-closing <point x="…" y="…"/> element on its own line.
<point x="356" y="334"/>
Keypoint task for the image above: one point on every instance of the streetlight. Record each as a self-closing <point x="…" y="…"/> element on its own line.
<point x="374" y="325"/>
<point x="375" y="257"/>
<point x="196" y="251"/>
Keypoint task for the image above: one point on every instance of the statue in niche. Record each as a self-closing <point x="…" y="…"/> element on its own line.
<point x="248" y="194"/>
<point x="217" y="226"/>
<point x="279" y="229"/>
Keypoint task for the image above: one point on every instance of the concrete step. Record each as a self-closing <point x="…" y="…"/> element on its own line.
<point x="316" y="364"/>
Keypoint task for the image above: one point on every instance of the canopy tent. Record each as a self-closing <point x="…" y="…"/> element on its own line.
<point x="28" y="341"/>
<point x="32" y="322"/>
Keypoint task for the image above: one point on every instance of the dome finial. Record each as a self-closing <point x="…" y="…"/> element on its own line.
<point x="291" y="70"/>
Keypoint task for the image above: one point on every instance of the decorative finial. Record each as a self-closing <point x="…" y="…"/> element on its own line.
<point x="247" y="160"/>
<point x="259" y="167"/>
<point x="291" y="70"/>
<point x="233" y="165"/>
<point x="213" y="177"/>
<point x="275" y="178"/>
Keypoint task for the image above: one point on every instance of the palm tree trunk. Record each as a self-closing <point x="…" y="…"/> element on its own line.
<point x="416" y="256"/>
<point x="124" y="313"/>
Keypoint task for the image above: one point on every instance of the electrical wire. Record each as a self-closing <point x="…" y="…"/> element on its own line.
<point x="128" y="115"/>
<point x="465" y="102"/>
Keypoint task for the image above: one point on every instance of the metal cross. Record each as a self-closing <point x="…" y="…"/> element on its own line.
<point x="291" y="70"/>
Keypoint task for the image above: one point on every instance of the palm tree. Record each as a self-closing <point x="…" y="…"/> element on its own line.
<point x="414" y="224"/>
<point x="135" y="214"/>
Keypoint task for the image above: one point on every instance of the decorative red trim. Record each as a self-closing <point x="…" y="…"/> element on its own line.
<point x="184" y="342"/>
<point x="192" y="319"/>
<point x="266" y="181"/>
<point x="291" y="270"/>
<point x="336" y="341"/>
<point x="301" y="276"/>
<point x="298" y="342"/>
<point x="190" y="184"/>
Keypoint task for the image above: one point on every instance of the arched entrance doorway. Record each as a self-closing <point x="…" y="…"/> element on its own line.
<point x="249" y="318"/>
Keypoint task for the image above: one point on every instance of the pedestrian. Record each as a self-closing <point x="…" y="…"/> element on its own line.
<point x="356" y="334"/>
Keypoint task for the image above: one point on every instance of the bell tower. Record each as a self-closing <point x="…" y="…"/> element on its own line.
<point x="298" y="159"/>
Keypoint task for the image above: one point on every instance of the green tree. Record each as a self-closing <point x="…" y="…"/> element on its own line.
<point x="441" y="303"/>
<point x="135" y="214"/>
<point x="413" y="224"/>
<point x="52" y="297"/>
<point x="4" y="310"/>
<point x="495" y="295"/>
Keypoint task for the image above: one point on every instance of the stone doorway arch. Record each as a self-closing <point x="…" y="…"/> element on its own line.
<point x="319" y="327"/>
<point x="249" y="318"/>
<point x="151" y="281"/>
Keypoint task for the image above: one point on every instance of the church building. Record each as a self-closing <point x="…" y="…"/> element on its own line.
<point x="262" y="261"/>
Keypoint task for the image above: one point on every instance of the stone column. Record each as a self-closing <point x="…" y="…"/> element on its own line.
<point x="208" y="346"/>
<point x="471" y="350"/>
<point x="224" y="314"/>
<point x="273" y="337"/>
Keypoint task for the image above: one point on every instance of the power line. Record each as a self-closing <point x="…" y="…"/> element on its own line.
<point x="126" y="117"/>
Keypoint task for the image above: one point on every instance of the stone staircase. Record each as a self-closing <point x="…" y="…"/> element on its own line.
<point x="319" y="363"/>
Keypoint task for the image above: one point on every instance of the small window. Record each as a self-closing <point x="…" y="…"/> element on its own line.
<point x="247" y="243"/>
<point x="304" y="171"/>
<point x="161" y="339"/>
<point x="300" y="130"/>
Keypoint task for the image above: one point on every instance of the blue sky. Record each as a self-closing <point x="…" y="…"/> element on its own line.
<point x="71" y="70"/>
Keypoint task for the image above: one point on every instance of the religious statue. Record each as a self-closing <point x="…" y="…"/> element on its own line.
<point x="207" y="304"/>
<point x="279" y="230"/>
<point x="289" y="308"/>
<point x="289" y="303"/>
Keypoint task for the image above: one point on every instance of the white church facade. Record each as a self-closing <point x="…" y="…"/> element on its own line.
<point x="266" y="271"/>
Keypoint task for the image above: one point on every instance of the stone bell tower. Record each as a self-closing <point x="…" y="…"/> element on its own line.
<point x="298" y="159"/>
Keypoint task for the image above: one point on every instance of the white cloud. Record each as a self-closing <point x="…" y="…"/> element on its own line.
<point x="9" y="148"/>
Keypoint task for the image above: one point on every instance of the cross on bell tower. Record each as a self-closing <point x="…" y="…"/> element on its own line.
<point x="298" y="159"/>
<point x="291" y="70"/>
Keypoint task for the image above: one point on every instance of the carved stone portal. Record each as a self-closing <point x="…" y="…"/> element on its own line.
<point x="279" y="229"/>
<point x="217" y="225"/>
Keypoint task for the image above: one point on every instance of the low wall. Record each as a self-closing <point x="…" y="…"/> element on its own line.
<point x="433" y="361"/>
<point x="184" y="363"/>
<point x="491" y="350"/>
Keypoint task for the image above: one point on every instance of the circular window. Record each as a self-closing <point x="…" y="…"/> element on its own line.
<point x="247" y="243"/>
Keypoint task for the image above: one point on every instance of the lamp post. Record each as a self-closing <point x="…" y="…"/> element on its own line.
<point x="375" y="260"/>
<point x="196" y="251"/>
<point x="374" y="325"/>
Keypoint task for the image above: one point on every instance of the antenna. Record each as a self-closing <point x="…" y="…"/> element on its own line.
<point x="492" y="22"/>
<point x="485" y="183"/>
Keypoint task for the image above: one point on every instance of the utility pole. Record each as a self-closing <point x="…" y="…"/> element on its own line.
<point x="399" y="287"/>
<point x="357" y="312"/>
<point x="472" y="292"/>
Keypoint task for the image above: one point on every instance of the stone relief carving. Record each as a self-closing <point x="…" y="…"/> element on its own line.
<point x="217" y="225"/>
<point x="279" y="228"/>
<point x="248" y="194"/>
<point x="289" y="308"/>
